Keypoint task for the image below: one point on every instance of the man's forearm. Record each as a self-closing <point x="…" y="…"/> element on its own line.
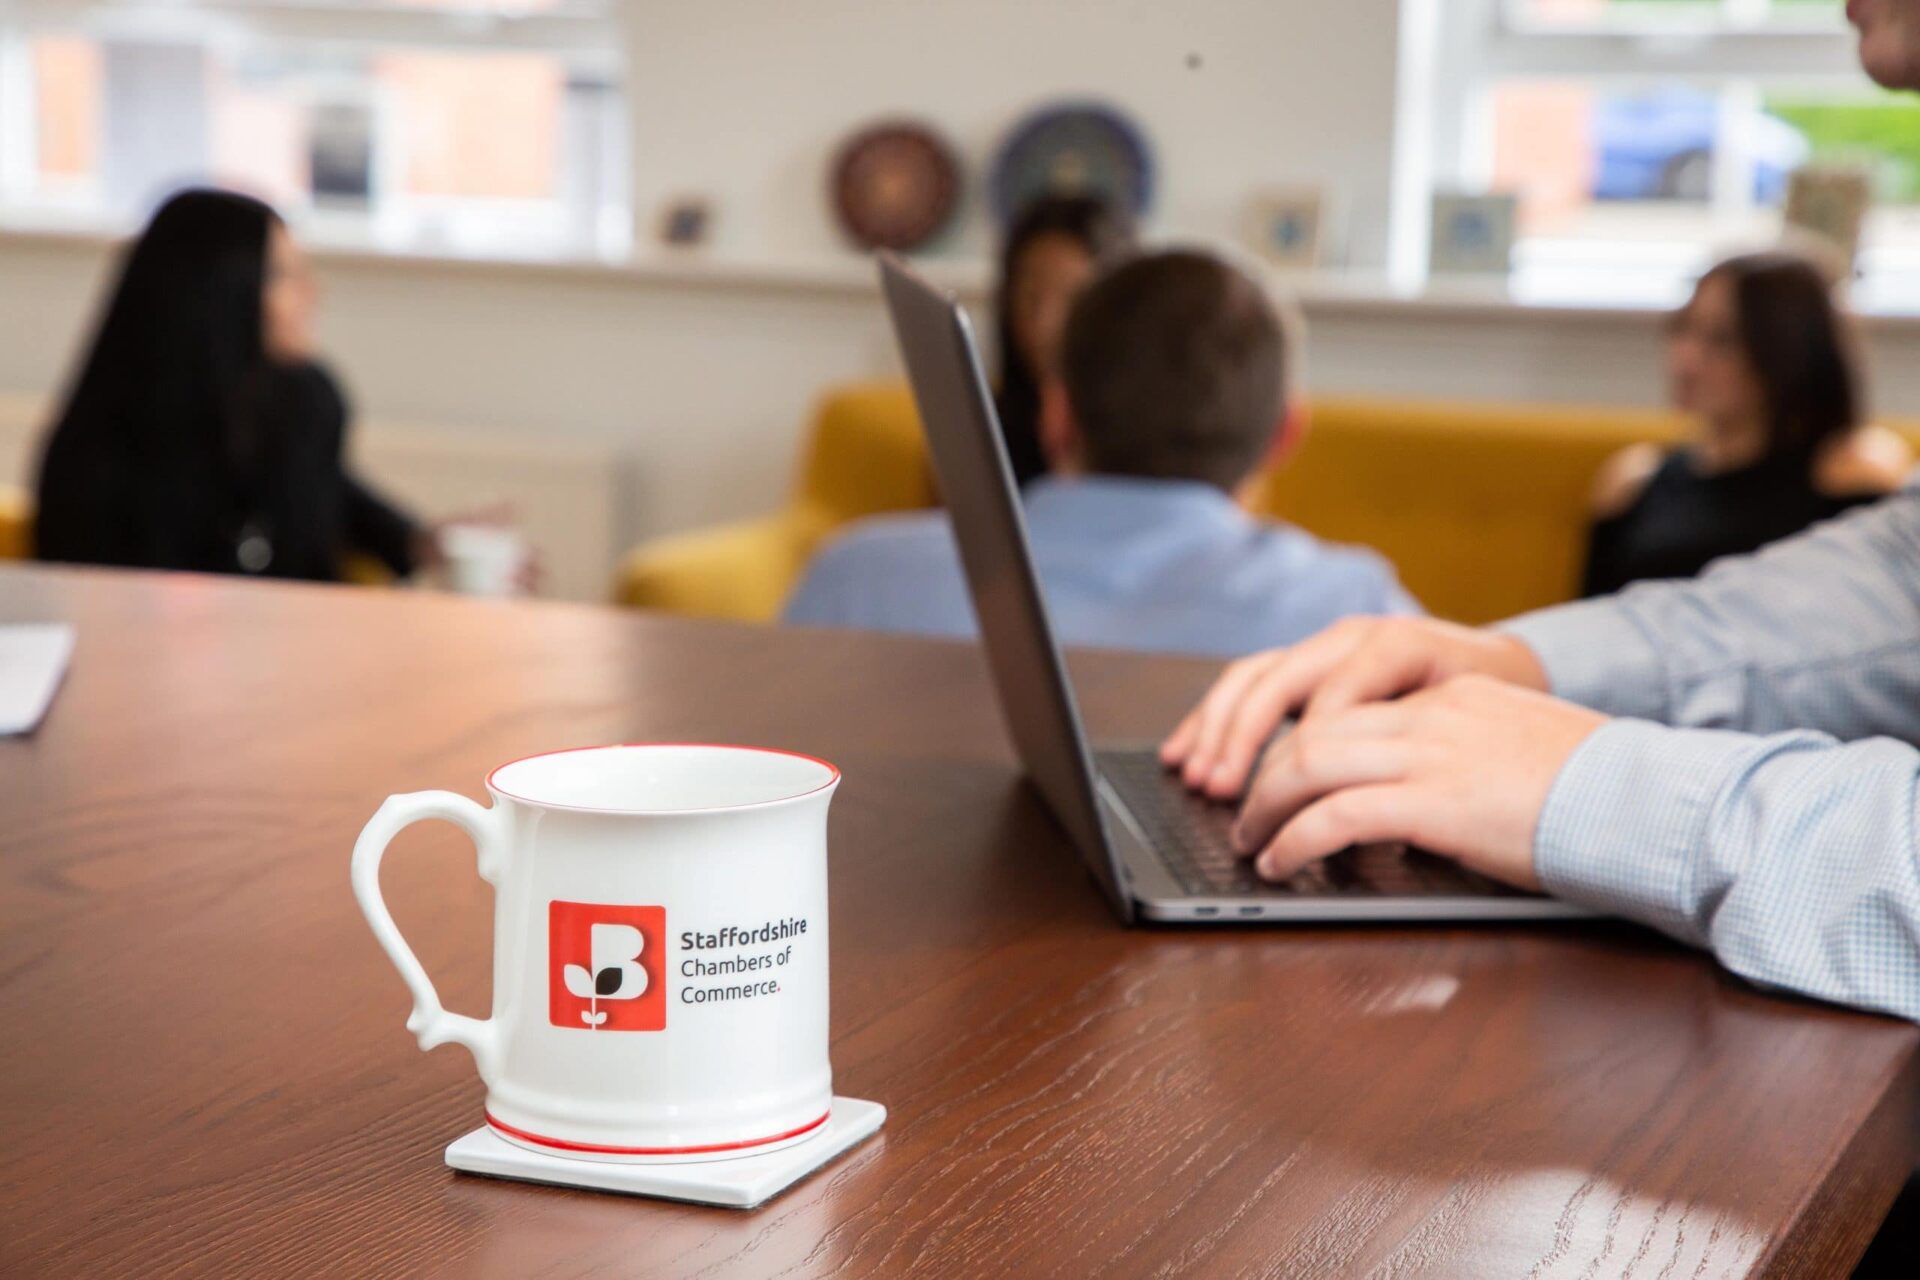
<point x="1821" y="631"/>
<point x="1593" y="652"/>
<point x="1792" y="858"/>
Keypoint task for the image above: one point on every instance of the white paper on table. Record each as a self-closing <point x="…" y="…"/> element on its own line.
<point x="33" y="657"/>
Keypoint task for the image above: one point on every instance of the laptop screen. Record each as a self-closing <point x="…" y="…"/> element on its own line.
<point x="970" y="459"/>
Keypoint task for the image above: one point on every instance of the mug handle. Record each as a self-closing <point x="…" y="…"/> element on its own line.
<point x="429" y="1021"/>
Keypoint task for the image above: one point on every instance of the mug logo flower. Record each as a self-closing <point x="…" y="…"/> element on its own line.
<point x="614" y="975"/>
<point x="606" y="967"/>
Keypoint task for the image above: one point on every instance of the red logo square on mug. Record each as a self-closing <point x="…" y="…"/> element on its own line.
<point x="606" y="967"/>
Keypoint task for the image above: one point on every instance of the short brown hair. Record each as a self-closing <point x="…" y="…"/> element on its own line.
<point x="1174" y="364"/>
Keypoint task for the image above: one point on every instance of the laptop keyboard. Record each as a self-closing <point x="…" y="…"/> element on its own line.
<point x="1191" y="835"/>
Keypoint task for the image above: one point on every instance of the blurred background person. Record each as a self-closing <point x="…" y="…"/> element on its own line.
<point x="201" y="433"/>
<point x="1764" y="365"/>
<point x="1171" y="387"/>
<point x="1055" y="246"/>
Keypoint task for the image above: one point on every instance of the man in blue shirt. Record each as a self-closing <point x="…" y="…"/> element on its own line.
<point x="1728" y="759"/>
<point x="1171" y="388"/>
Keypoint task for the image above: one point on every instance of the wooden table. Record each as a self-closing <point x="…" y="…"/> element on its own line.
<point x="203" y="1068"/>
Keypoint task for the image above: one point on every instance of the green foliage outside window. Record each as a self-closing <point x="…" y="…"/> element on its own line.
<point x="1882" y="133"/>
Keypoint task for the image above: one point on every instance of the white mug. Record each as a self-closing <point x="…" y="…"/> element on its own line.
<point x="659" y="948"/>
<point x="484" y="559"/>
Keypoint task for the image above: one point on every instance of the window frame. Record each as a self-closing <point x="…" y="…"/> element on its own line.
<point x="1736" y="51"/>
<point x="586" y="37"/>
<point x="586" y="32"/>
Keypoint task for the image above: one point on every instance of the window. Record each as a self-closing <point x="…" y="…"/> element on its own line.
<point x="1641" y="137"/>
<point x="464" y="127"/>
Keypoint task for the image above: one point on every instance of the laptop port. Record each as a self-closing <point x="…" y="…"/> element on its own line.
<point x="1206" y="911"/>
<point x="1250" y="911"/>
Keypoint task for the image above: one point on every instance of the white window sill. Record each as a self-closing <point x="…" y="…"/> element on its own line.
<point x="1546" y="294"/>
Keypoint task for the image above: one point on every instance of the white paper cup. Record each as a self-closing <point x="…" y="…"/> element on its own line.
<point x="484" y="559"/>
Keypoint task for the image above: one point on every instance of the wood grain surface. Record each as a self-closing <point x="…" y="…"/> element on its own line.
<point x="203" y="1067"/>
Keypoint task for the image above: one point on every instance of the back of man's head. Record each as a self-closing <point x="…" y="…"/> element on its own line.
<point x="1174" y="367"/>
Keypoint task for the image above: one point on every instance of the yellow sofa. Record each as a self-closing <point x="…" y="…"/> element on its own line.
<point x="1481" y="507"/>
<point x="16" y="523"/>
<point x="864" y="455"/>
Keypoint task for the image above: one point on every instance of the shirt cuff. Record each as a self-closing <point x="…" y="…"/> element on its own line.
<point x="1625" y="824"/>
<point x="1595" y="654"/>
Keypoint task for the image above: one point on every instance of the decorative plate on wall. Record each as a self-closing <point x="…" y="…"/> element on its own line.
<point x="1076" y="148"/>
<point x="894" y="185"/>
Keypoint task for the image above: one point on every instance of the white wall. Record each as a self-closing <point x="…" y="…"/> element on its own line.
<point x="745" y="100"/>
<point x="702" y="379"/>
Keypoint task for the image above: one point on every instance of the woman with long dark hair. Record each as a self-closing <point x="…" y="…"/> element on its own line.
<point x="1763" y="363"/>
<point x="201" y="433"/>
<point x="1056" y="245"/>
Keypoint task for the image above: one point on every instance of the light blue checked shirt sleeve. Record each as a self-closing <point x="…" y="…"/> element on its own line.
<point x="1791" y="857"/>
<point x="1794" y="857"/>
<point x="1821" y="631"/>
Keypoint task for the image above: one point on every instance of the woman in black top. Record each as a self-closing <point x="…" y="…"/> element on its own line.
<point x="1762" y="362"/>
<point x="1055" y="247"/>
<point x="201" y="434"/>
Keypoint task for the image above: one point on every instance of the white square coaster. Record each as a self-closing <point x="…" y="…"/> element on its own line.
<point x="741" y="1183"/>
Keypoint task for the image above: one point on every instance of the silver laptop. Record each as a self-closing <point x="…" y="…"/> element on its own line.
<point x="1155" y="849"/>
